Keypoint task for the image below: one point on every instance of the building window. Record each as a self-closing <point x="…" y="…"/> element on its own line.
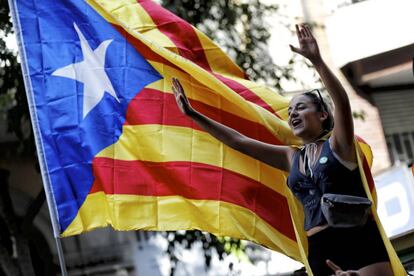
<point x="401" y="147"/>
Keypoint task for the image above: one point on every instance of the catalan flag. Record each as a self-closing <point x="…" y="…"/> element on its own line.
<point x="114" y="148"/>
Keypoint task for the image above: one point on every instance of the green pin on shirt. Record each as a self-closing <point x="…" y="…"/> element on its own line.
<point x="323" y="160"/>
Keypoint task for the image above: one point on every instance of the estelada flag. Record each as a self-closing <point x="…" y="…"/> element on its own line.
<point x="113" y="146"/>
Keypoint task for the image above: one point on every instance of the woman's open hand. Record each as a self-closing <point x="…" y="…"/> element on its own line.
<point x="181" y="98"/>
<point x="308" y="46"/>
<point x="339" y="272"/>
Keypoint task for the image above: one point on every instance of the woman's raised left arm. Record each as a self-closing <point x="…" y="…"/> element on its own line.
<point x="343" y="132"/>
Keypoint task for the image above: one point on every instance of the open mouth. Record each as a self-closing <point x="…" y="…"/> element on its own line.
<point x="296" y="122"/>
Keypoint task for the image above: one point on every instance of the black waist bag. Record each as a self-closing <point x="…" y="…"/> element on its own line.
<point x="344" y="210"/>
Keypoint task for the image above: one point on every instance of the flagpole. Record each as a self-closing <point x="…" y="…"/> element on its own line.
<point x="37" y="136"/>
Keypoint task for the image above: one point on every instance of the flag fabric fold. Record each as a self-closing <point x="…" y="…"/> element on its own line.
<point x="117" y="150"/>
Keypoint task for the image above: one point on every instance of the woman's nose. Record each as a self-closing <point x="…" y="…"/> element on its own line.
<point x="293" y="113"/>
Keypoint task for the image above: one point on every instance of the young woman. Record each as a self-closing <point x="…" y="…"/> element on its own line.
<point x="323" y="166"/>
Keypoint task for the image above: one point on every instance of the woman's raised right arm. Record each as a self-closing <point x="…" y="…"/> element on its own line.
<point x="273" y="155"/>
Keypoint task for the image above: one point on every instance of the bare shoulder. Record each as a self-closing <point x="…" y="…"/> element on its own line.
<point x="291" y="153"/>
<point x="345" y="150"/>
<point x="285" y="159"/>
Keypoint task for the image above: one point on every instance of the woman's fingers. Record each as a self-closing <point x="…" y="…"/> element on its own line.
<point x="178" y="90"/>
<point x="308" y="46"/>
<point x="176" y="86"/>
<point x="306" y="30"/>
<point x="302" y="31"/>
<point x="294" y="49"/>
<point x="180" y="96"/>
<point x="339" y="272"/>
<point x="298" y="32"/>
<point x="332" y="266"/>
<point x="300" y="35"/>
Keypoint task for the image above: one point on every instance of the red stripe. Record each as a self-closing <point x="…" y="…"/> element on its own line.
<point x="143" y="49"/>
<point x="246" y="93"/>
<point x="365" y="166"/>
<point x="189" y="46"/>
<point x="193" y="181"/>
<point x="360" y="139"/>
<point x="179" y="31"/>
<point x="151" y="106"/>
<point x="368" y="174"/>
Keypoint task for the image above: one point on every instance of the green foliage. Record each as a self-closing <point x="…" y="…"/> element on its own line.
<point x="13" y="103"/>
<point x="359" y="114"/>
<point x="186" y="240"/>
<point x="5" y="24"/>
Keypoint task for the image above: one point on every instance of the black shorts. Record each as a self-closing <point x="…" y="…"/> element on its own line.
<point x="349" y="248"/>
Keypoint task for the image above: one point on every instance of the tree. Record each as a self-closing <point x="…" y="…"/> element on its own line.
<point x="13" y="102"/>
<point x="23" y="249"/>
<point x="15" y="233"/>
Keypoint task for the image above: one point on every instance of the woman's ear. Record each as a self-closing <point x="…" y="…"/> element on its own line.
<point x="323" y="116"/>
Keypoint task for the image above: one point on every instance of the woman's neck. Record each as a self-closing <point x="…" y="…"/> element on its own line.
<point x="314" y="139"/>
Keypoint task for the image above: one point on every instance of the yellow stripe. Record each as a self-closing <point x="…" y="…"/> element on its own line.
<point x="158" y="143"/>
<point x="219" y="61"/>
<point x="135" y="16"/>
<point x="129" y="212"/>
<point x="297" y="216"/>
<point x="397" y="267"/>
<point x="366" y="150"/>
<point x="101" y="11"/>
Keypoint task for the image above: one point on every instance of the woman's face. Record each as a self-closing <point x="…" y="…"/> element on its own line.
<point x="304" y="119"/>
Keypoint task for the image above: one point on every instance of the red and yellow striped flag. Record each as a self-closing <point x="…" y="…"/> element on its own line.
<point x="158" y="171"/>
<point x="164" y="172"/>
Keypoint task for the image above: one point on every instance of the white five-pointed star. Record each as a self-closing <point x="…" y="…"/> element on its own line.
<point x="90" y="71"/>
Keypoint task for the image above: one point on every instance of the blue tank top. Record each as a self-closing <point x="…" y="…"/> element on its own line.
<point x="329" y="176"/>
